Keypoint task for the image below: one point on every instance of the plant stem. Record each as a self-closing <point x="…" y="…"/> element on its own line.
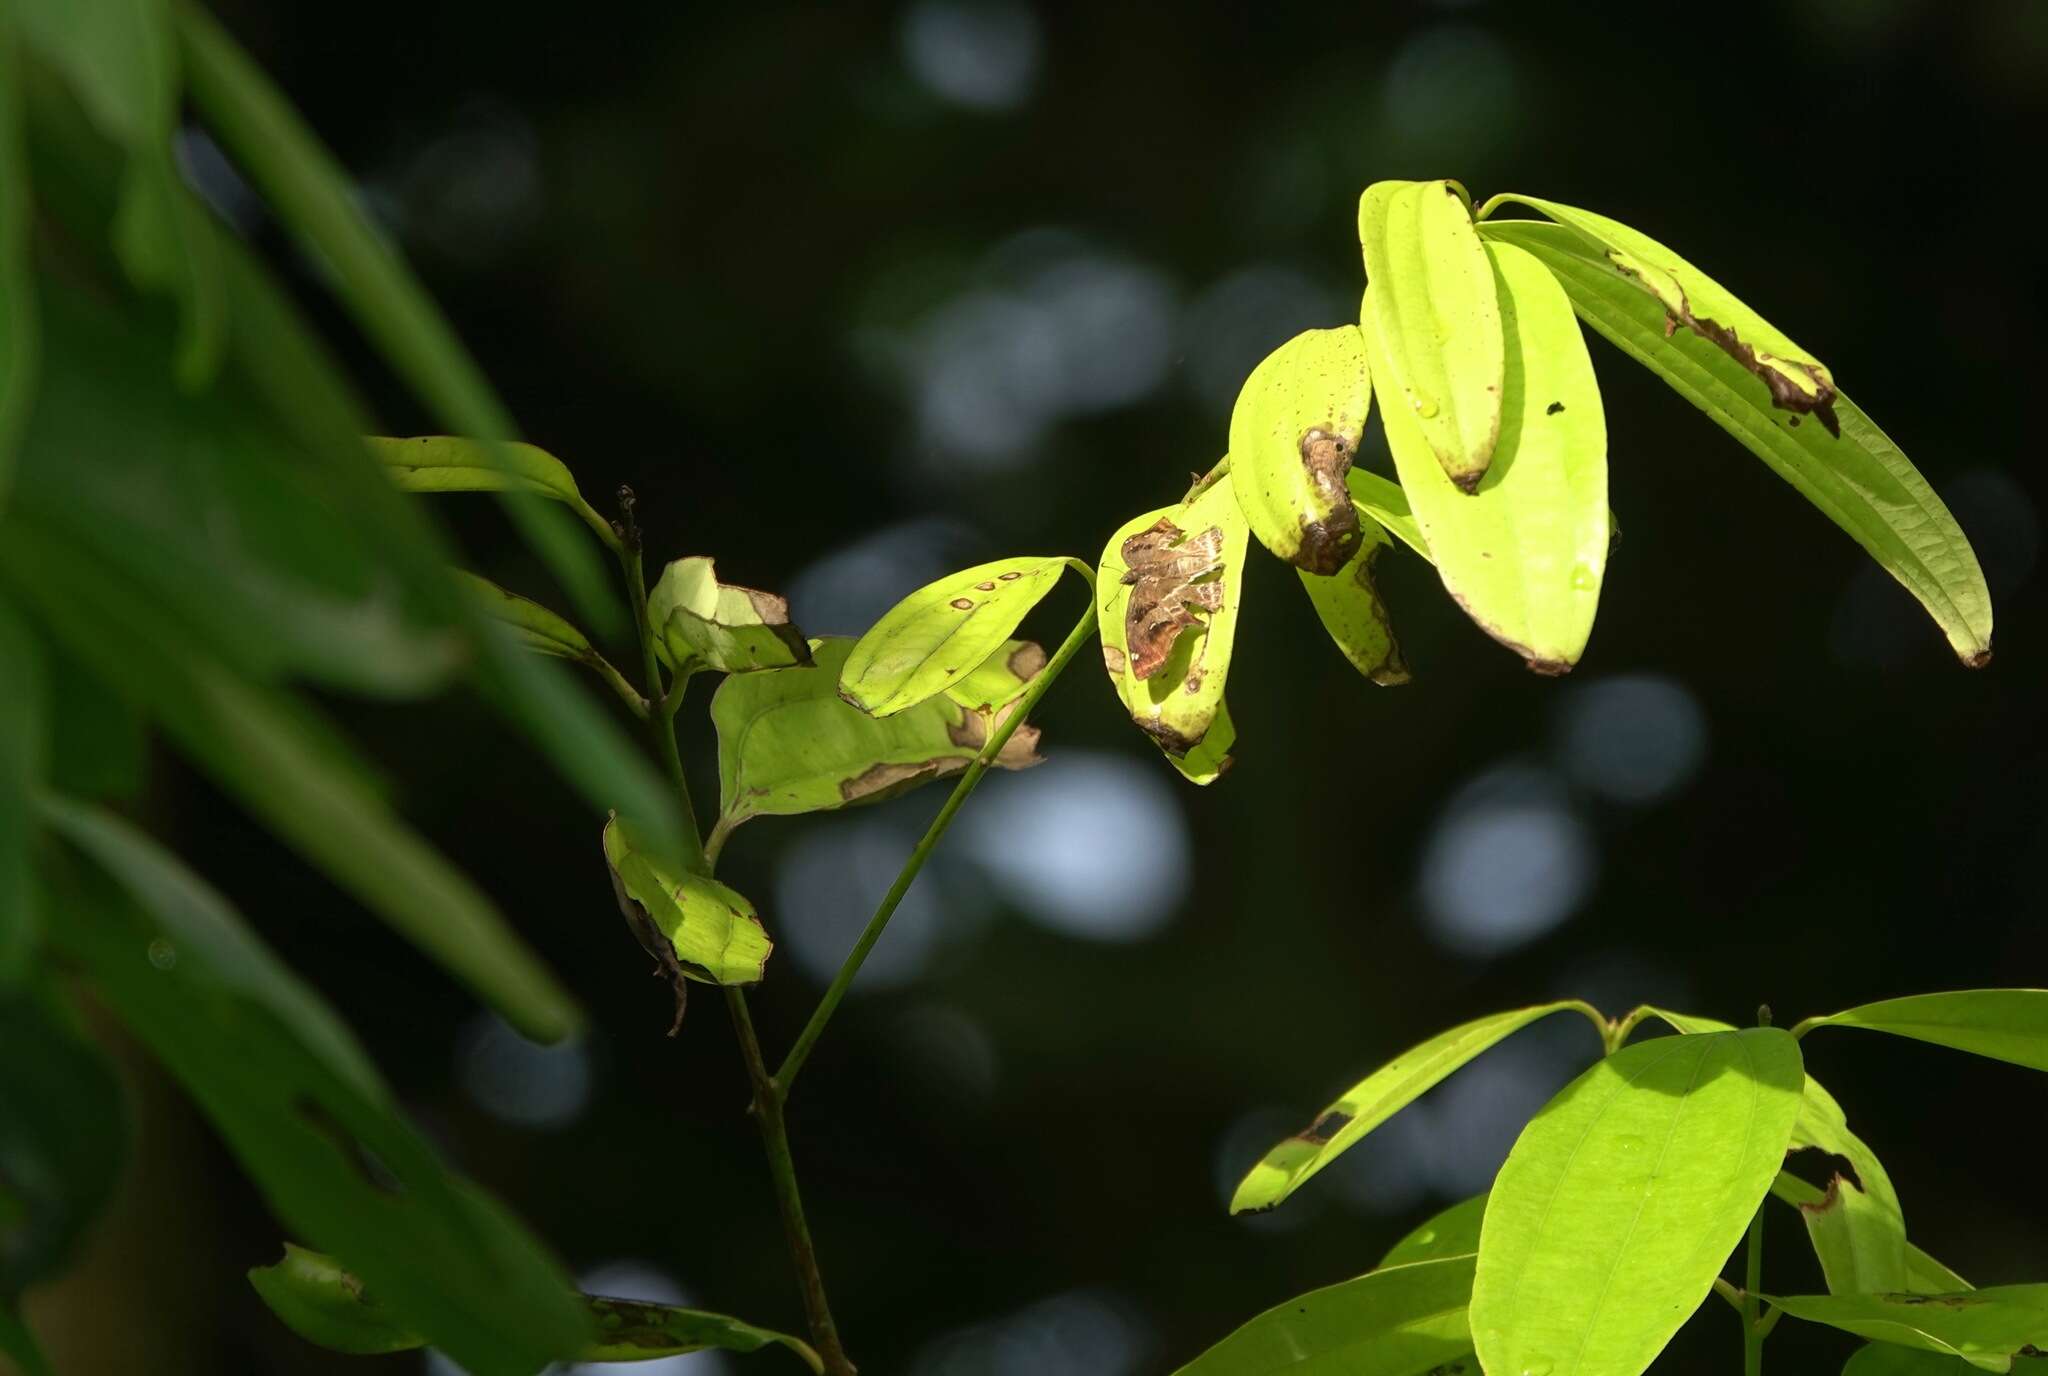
<point x="1752" y="1283"/>
<point x="1083" y="631"/>
<point x="662" y="718"/>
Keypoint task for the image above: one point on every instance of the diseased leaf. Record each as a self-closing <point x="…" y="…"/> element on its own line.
<point x="1857" y="1229"/>
<point x="1352" y="612"/>
<point x="1399" y="1321"/>
<point x="1621" y="1200"/>
<point x="322" y="1303"/>
<point x="1524" y="551"/>
<point x="1375" y="1099"/>
<point x="1452" y="1233"/>
<point x="1000" y="679"/>
<point x="1924" y="1274"/>
<point x="293" y="1096"/>
<point x="1860" y="481"/>
<point x="24" y="726"/>
<point x="63" y="1136"/>
<point x="20" y="351"/>
<point x="1433" y="322"/>
<point x="1387" y="504"/>
<point x="1167" y="597"/>
<point x="693" y="926"/>
<point x="931" y="640"/>
<point x="1984" y="1327"/>
<point x="2004" y="1024"/>
<point x="787" y="744"/>
<point x="449" y="463"/>
<point x="1293" y="433"/>
<point x="1794" y="379"/>
<point x="700" y="621"/>
<point x="1888" y="1359"/>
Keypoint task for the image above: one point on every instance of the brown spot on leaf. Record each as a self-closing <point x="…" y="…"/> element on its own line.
<point x="1171" y="574"/>
<point x="989" y="586"/>
<point x="1977" y="660"/>
<point x="1549" y="668"/>
<point x="1325" y="1127"/>
<point x="1328" y="543"/>
<point x="971" y="732"/>
<point x="1114" y="660"/>
<point x="1027" y="661"/>
<point x="1553" y="408"/>
<point x="962" y="604"/>
<point x="1009" y="577"/>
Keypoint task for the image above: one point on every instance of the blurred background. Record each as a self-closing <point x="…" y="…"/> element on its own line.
<point x="853" y="296"/>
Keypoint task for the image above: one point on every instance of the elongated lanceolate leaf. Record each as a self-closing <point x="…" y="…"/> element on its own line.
<point x="1924" y="1274"/>
<point x="2004" y="1024"/>
<point x="1167" y="596"/>
<point x="1451" y="1233"/>
<point x="1889" y="1359"/>
<point x="1432" y="320"/>
<point x="694" y="927"/>
<point x="295" y="1099"/>
<point x="1525" y="551"/>
<point x="1401" y="1321"/>
<point x="1375" y="1099"/>
<point x="944" y="631"/>
<point x="537" y="628"/>
<point x="700" y="622"/>
<point x="448" y="463"/>
<point x="1388" y="505"/>
<point x="1293" y="433"/>
<point x="321" y="1302"/>
<point x="1859" y="480"/>
<point x="1349" y="605"/>
<point x="1623" y="1198"/>
<point x="1986" y="1328"/>
<point x="787" y="743"/>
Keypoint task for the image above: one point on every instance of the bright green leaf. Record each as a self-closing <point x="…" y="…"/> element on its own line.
<point x="944" y="631"/>
<point x="1401" y="1321"/>
<point x="1524" y="551"/>
<point x="1623" y="1197"/>
<point x="1857" y="1229"/>
<point x="1387" y="504"/>
<point x="1375" y="1099"/>
<point x="1984" y="1327"/>
<point x="2004" y="1024"/>
<point x="1889" y="1359"/>
<point x="787" y="744"/>
<point x="63" y="1136"/>
<point x="1451" y="1233"/>
<point x="25" y="710"/>
<point x="1433" y="323"/>
<point x="1000" y="679"/>
<point x="299" y="1104"/>
<point x="700" y="621"/>
<point x="1860" y="481"/>
<point x="1924" y="1274"/>
<point x="694" y="926"/>
<point x="1167" y="597"/>
<point x="1293" y="433"/>
<point x="321" y="1302"/>
<point x="1351" y="610"/>
<point x="1793" y="378"/>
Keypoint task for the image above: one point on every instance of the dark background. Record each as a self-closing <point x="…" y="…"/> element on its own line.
<point x="855" y="296"/>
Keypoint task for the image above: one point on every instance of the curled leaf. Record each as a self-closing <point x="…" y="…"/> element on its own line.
<point x="695" y="927"/>
<point x="1433" y="321"/>
<point x="1352" y="612"/>
<point x="1293" y="432"/>
<point x="699" y="620"/>
<point x="931" y="640"/>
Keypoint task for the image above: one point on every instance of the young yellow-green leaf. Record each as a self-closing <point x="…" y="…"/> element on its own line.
<point x="1433" y="322"/>
<point x="1352" y="612"/>
<point x="323" y="1303"/>
<point x="787" y="744"/>
<point x="295" y="1099"/>
<point x="1986" y="1328"/>
<point x="1794" y="379"/>
<point x="1167" y="596"/>
<point x="19" y="340"/>
<point x="1857" y="1229"/>
<point x="1451" y="1233"/>
<point x="944" y="631"/>
<point x="449" y="463"/>
<point x="1860" y="481"/>
<point x="1001" y="679"/>
<point x="700" y="621"/>
<point x="1621" y="1200"/>
<point x="1524" y="552"/>
<point x="2004" y="1024"/>
<point x="710" y="931"/>
<point x="25" y="718"/>
<point x="1293" y="432"/>
<point x="1924" y="1274"/>
<point x="1375" y="1099"/>
<point x="1400" y="1321"/>
<point x="1387" y="504"/>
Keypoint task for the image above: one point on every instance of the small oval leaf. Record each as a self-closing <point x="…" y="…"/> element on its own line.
<point x="1293" y="433"/>
<point x="699" y="621"/>
<point x="1400" y="1321"/>
<point x="1349" y="605"/>
<point x="2004" y="1024"/>
<point x="1621" y="1200"/>
<point x="943" y="632"/>
<point x="1375" y="1099"/>
<point x="696" y="927"/>
<point x="1433" y="322"/>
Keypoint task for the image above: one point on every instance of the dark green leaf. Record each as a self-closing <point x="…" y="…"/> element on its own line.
<point x="24" y="725"/>
<point x="1860" y="481"/>
<point x="19" y="352"/>
<point x="1402" y="1321"/>
<point x="19" y="1345"/>
<point x="118" y="56"/>
<point x="296" y="1100"/>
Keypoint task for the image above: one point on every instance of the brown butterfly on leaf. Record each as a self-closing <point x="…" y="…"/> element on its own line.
<point x="1165" y="564"/>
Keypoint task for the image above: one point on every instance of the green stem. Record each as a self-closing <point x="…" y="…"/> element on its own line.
<point x="616" y="681"/>
<point x="1752" y="1284"/>
<point x="1623" y="1026"/>
<point x="663" y="718"/>
<point x="1207" y="480"/>
<point x="1083" y="632"/>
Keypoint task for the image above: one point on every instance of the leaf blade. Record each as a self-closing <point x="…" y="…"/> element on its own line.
<point x="1402" y="1321"/>
<point x="1293" y="431"/>
<point x="938" y="635"/>
<point x="2003" y="1024"/>
<point x="1984" y="1327"/>
<point x="1349" y="605"/>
